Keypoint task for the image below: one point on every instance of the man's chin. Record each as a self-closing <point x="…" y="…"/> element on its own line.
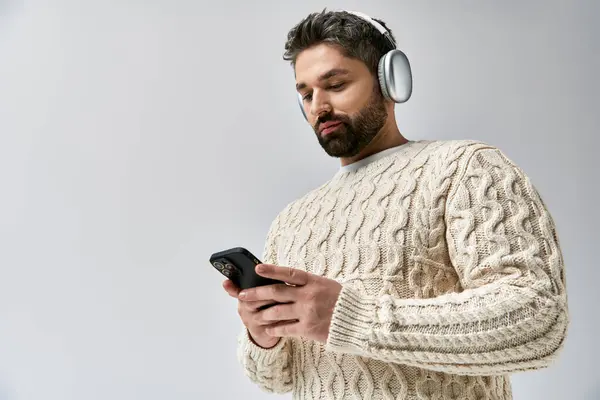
<point x="336" y="144"/>
<point x="338" y="150"/>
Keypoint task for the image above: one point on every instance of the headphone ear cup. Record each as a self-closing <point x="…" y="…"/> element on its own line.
<point x="395" y="76"/>
<point x="381" y="74"/>
<point x="301" y="106"/>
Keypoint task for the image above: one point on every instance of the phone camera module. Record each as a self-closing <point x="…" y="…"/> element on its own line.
<point x="218" y="266"/>
<point x="228" y="270"/>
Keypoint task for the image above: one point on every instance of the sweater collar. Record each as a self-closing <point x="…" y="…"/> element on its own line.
<point x="374" y="157"/>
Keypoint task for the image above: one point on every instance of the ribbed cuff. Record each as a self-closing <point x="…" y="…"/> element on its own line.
<point x="257" y="353"/>
<point x="353" y="317"/>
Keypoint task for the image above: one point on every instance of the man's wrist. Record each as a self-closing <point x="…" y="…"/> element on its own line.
<point x="262" y="345"/>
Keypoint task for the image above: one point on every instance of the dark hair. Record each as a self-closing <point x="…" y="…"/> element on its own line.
<point x="354" y="36"/>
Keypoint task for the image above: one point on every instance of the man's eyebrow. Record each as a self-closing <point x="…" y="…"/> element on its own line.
<point x="329" y="74"/>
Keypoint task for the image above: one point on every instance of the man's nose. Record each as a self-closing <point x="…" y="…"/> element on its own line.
<point x="320" y="104"/>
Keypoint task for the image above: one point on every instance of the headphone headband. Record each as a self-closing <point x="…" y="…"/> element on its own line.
<point x="376" y="25"/>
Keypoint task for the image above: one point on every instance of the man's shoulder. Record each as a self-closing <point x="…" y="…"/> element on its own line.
<point x="465" y="150"/>
<point x="459" y="148"/>
<point x="458" y="152"/>
<point x="296" y="205"/>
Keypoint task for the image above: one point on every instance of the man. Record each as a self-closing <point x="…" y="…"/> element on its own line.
<point x="421" y="270"/>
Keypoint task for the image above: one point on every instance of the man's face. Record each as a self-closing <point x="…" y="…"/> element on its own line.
<point x="341" y="100"/>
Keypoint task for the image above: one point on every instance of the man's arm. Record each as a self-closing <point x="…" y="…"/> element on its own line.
<point x="512" y="315"/>
<point x="270" y="368"/>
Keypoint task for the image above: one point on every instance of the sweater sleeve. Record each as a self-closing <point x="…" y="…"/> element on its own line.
<point x="269" y="368"/>
<point x="512" y="312"/>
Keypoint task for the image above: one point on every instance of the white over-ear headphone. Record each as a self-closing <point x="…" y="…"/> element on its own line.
<point x="395" y="76"/>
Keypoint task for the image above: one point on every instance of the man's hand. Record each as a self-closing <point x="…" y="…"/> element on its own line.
<point x="306" y="303"/>
<point x="249" y="312"/>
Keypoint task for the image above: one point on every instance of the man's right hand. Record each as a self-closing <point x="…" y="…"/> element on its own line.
<point x="250" y="313"/>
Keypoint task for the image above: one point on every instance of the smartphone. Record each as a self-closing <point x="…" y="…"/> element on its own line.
<point x="239" y="265"/>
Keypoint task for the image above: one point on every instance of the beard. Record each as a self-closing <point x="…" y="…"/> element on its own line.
<point x="355" y="132"/>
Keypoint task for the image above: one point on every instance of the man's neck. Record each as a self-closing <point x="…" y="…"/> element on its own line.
<point x="388" y="137"/>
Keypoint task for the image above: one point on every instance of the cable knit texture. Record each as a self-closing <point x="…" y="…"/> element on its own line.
<point x="452" y="279"/>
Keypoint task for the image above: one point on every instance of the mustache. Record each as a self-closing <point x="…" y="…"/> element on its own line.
<point x="330" y="117"/>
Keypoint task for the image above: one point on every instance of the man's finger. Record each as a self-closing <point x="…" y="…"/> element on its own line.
<point x="287" y="328"/>
<point x="279" y="312"/>
<point x="231" y="289"/>
<point x="278" y="293"/>
<point x="256" y="306"/>
<point x="289" y="275"/>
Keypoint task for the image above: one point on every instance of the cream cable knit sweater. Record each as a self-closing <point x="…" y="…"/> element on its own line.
<point x="452" y="279"/>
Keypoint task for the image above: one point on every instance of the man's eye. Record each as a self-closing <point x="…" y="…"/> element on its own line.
<point x="307" y="97"/>
<point x="336" y="86"/>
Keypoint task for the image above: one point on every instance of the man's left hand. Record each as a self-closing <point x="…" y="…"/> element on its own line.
<point x="307" y="300"/>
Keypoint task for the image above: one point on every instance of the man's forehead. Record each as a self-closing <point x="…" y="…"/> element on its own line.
<point x="319" y="63"/>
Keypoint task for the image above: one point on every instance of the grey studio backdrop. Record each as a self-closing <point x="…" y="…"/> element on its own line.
<point x="137" y="137"/>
